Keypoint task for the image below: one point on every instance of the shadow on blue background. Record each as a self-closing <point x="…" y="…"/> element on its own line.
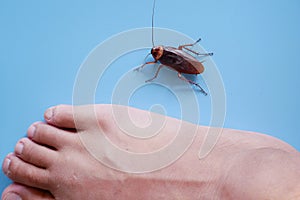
<point x="255" y="44"/>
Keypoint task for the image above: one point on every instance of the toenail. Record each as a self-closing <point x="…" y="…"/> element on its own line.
<point x="48" y="114"/>
<point x="12" y="196"/>
<point x="19" y="148"/>
<point x="6" y="164"/>
<point x="31" y="131"/>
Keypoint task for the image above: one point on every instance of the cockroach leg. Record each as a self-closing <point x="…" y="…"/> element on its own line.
<point x="194" y="52"/>
<point x="143" y="65"/>
<point x="197" y="41"/>
<point x="184" y="46"/>
<point x="197" y="53"/>
<point x="188" y="45"/>
<point x="156" y="74"/>
<point x="191" y="82"/>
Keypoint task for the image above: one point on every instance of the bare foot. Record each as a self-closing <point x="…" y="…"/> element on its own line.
<point x="53" y="162"/>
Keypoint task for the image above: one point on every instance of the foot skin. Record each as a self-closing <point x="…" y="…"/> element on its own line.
<point x="17" y="192"/>
<point x="52" y="163"/>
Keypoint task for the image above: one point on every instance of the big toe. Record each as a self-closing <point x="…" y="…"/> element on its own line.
<point x="71" y="117"/>
<point x="60" y="116"/>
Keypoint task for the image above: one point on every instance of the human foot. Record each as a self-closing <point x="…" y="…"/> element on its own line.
<point x="37" y="166"/>
<point x="55" y="160"/>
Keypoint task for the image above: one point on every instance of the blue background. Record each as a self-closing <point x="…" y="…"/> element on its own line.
<point x="255" y="44"/>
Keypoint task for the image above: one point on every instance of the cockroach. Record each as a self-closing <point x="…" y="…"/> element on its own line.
<point x="176" y="59"/>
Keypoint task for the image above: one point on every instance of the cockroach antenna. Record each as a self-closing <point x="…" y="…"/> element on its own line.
<point x="153" y="9"/>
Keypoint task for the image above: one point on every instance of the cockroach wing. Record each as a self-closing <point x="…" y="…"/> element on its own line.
<point x="181" y="61"/>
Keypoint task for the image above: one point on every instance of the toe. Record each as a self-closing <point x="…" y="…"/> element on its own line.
<point x="25" y="173"/>
<point x="18" y="192"/>
<point x="60" y="116"/>
<point x="75" y="117"/>
<point x="34" y="153"/>
<point x="48" y="135"/>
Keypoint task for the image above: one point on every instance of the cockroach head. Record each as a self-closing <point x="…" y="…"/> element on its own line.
<point x="157" y="52"/>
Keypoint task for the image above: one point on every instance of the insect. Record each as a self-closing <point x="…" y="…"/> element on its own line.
<point x="176" y="59"/>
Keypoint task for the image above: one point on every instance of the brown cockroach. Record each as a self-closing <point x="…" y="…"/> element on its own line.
<point x="176" y="59"/>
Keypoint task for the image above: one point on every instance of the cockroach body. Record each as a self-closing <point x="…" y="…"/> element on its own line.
<point x="176" y="59"/>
